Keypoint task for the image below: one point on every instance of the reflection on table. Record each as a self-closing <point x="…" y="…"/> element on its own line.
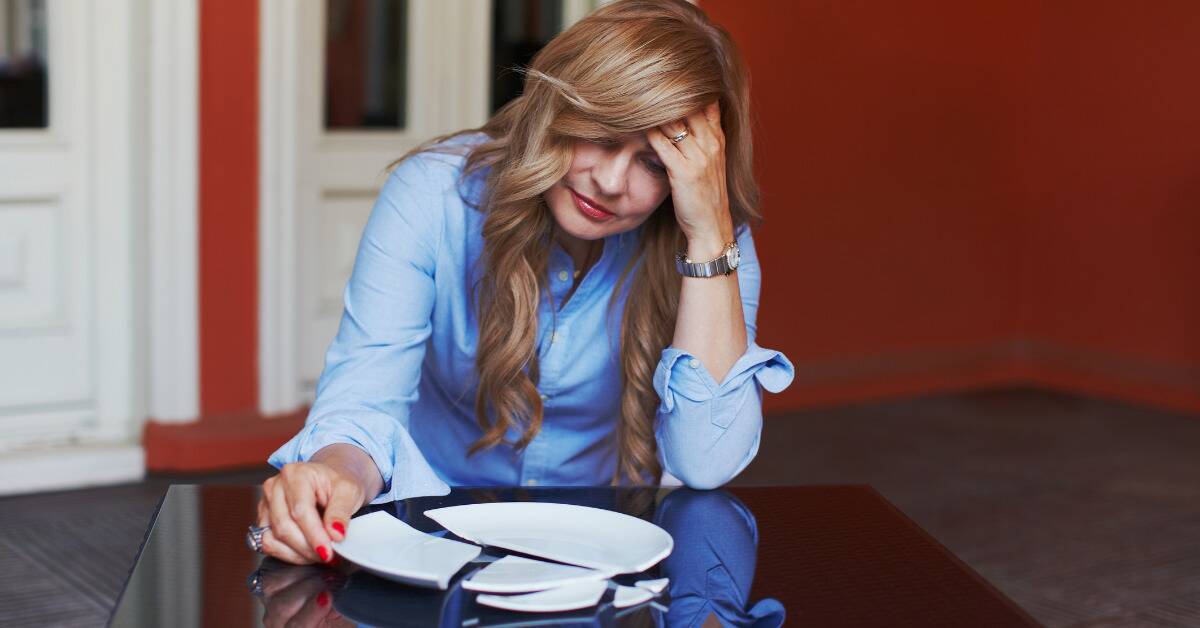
<point x="711" y="570"/>
<point x="832" y="555"/>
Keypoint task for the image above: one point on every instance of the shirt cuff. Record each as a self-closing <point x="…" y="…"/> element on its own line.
<point x="681" y="373"/>
<point x="390" y="446"/>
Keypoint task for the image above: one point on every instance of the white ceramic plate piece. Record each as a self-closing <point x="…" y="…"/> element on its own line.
<point x="631" y="596"/>
<point x="392" y="549"/>
<point x="654" y="586"/>
<point x="578" y="535"/>
<point x="515" y="574"/>
<point x="566" y="598"/>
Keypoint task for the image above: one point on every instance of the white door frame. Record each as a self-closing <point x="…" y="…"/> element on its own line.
<point x="305" y="170"/>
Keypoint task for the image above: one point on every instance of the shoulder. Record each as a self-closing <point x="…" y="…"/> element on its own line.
<point x="435" y="172"/>
<point x="425" y="198"/>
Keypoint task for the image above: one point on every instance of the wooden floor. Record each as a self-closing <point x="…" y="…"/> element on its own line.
<point x="1085" y="512"/>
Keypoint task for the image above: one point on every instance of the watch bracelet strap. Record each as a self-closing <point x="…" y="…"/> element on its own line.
<point x="711" y="268"/>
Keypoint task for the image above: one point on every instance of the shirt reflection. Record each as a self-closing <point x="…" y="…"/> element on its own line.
<point x="711" y="571"/>
<point x="712" y="567"/>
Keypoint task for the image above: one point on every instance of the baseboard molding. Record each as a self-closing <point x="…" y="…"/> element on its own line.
<point x="70" y="468"/>
<point x="1136" y="379"/>
<point x="1015" y="362"/>
<point x="866" y="378"/>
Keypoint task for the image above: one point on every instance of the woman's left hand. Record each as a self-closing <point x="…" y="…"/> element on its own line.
<point x="696" y="168"/>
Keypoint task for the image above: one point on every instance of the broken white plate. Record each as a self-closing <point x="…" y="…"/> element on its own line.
<point x="578" y="535"/>
<point x="392" y="549"/>
<point x="566" y="598"/>
<point x="631" y="596"/>
<point x="656" y="586"/>
<point x="515" y="574"/>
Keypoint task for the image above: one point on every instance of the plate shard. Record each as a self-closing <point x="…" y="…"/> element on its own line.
<point x="516" y="574"/>
<point x="577" y="535"/>
<point x="389" y="548"/>
<point x="631" y="596"/>
<point x="566" y="598"/>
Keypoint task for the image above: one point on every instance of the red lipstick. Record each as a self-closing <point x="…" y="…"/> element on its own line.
<point x="590" y="208"/>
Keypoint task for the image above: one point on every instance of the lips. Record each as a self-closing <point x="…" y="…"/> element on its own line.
<point x="590" y="208"/>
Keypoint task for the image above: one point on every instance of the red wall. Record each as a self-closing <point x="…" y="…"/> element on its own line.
<point x="1111" y="273"/>
<point x="228" y="206"/>
<point x="961" y="194"/>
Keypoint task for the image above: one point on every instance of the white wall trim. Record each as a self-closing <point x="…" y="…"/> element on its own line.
<point x="277" y="109"/>
<point x="114" y="205"/>
<point x="173" y="219"/>
<point x="75" y="467"/>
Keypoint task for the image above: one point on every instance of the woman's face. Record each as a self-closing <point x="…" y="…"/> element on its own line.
<point x="611" y="187"/>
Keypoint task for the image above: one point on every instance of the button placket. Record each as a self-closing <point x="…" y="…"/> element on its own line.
<point x="535" y="463"/>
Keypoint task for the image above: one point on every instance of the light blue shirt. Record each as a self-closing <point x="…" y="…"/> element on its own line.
<point x="399" y="378"/>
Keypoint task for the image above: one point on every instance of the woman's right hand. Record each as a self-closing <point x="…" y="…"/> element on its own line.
<point x="309" y="504"/>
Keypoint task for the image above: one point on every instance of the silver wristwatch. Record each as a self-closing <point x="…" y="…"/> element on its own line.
<point x="726" y="263"/>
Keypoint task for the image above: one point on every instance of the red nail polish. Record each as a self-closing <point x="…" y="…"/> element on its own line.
<point x="323" y="599"/>
<point x="340" y="527"/>
<point x="323" y="553"/>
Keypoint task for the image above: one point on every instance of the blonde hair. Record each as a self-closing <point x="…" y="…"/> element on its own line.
<point x="629" y="66"/>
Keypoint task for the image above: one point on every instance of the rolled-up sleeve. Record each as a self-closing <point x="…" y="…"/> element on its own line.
<point x="372" y="367"/>
<point x="708" y="431"/>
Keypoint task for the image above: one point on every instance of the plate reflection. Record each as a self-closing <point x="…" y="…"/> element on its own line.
<point x="711" y="571"/>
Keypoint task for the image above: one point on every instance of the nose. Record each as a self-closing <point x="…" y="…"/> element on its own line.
<point x="609" y="174"/>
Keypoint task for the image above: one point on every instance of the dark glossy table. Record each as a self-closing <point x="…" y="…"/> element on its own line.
<point x="815" y="555"/>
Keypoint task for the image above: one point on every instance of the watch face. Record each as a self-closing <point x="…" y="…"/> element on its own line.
<point x="733" y="256"/>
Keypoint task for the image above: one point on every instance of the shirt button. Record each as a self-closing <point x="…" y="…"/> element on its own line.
<point x="553" y="337"/>
<point x="544" y="397"/>
<point x="531" y="482"/>
<point x="563" y="275"/>
<point x="694" y="363"/>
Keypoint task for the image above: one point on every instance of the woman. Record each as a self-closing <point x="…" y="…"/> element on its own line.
<point x="517" y="314"/>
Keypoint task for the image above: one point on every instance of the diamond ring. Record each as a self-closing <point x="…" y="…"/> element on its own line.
<point x="254" y="538"/>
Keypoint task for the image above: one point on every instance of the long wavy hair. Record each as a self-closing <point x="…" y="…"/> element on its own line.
<point x="629" y="66"/>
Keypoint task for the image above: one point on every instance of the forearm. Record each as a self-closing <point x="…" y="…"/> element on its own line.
<point x="710" y="324"/>
<point x="355" y="463"/>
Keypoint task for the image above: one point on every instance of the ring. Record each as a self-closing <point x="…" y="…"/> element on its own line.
<point x="679" y="136"/>
<point x="254" y="538"/>
<point x="255" y="583"/>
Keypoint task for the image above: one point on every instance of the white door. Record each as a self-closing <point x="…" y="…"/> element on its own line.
<point x="67" y="353"/>
<point x="332" y="119"/>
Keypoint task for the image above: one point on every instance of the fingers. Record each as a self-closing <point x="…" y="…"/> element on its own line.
<point x="705" y="137"/>
<point x="316" y="610"/>
<point x="713" y="113"/>
<point x="271" y="545"/>
<point x="705" y="124"/>
<point x="283" y="527"/>
<point x="302" y="484"/>
<point x="280" y="578"/>
<point x="345" y="498"/>
<point x="689" y="146"/>
<point x="274" y="547"/>
<point x="288" y="605"/>
<point x="674" y="160"/>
